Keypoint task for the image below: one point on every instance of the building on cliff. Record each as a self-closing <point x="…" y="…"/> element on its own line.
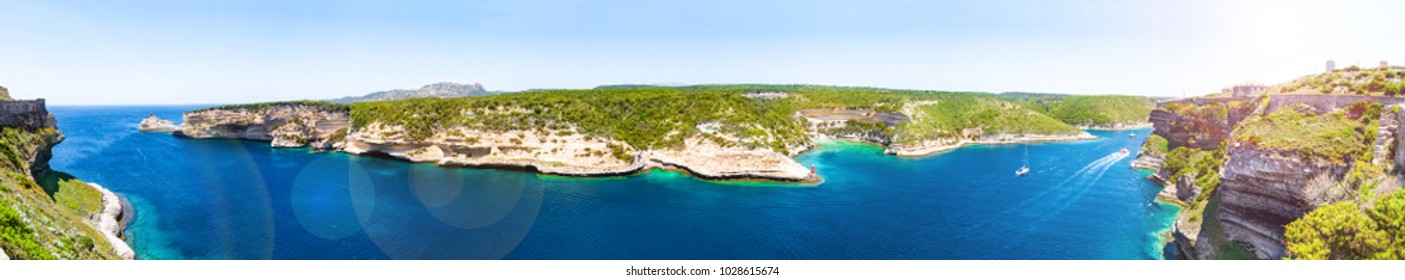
<point x="27" y="114"/>
<point x="1248" y="89"/>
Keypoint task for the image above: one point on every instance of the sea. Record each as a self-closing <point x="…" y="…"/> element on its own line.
<point x="232" y="199"/>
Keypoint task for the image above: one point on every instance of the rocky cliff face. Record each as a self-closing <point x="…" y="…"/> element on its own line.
<point x="568" y="153"/>
<point x="1188" y="131"/>
<point x="547" y="150"/>
<point x="559" y="152"/>
<point x="32" y="115"/>
<point x="1262" y="190"/>
<point x="283" y="125"/>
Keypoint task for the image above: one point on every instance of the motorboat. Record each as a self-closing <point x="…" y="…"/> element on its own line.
<point x="1024" y="169"/>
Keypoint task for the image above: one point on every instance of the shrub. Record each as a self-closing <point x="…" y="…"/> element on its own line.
<point x="1347" y="230"/>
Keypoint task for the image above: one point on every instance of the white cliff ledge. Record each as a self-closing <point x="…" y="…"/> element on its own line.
<point x="108" y="222"/>
<point x="563" y="152"/>
<point x="929" y="147"/>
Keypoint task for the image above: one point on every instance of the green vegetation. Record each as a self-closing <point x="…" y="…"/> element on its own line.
<point x="1155" y="145"/>
<point x="44" y="221"/>
<point x="1212" y="112"/>
<point x="17" y="237"/>
<point x="955" y="112"/>
<point x="72" y="193"/>
<point x="1084" y="110"/>
<point x="318" y="104"/>
<point x="1333" y="136"/>
<point x="650" y="117"/>
<point x="659" y="117"/>
<point x="1202" y="165"/>
<point x="337" y="136"/>
<point x="1348" y="230"/>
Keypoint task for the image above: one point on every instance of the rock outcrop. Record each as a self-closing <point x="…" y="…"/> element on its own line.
<point x="285" y="125"/>
<point x="551" y="152"/>
<point x="109" y="222"/>
<point x="1262" y="190"/>
<point x="1186" y="190"/>
<point x="1189" y="131"/>
<point x="32" y="115"/>
<point x="1148" y="161"/>
<point x="710" y="160"/>
<point x="567" y="153"/>
<point x="154" y="124"/>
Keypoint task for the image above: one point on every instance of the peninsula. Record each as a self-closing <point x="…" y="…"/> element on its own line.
<point x="718" y="132"/>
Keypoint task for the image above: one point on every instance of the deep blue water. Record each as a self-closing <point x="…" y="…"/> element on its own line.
<point x="225" y="199"/>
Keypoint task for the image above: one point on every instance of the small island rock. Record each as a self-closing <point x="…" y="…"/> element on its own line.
<point x="154" y="124"/>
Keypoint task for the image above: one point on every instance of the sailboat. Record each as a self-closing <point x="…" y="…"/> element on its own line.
<point x="1024" y="169"/>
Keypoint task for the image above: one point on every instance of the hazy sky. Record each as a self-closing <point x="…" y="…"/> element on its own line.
<point x="182" y="52"/>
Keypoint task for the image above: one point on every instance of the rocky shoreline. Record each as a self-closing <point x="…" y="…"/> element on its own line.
<point x="562" y="151"/>
<point x="112" y="220"/>
<point x="1117" y="126"/>
<point x="930" y="147"/>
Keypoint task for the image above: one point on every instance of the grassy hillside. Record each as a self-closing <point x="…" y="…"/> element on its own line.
<point x="45" y="219"/>
<point x="1333" y="136"/>
<point x="954" y="113"/>
<point x="654" y="116"/>
<point x="1085" y="110"/>
<point x="1352" y="80"/>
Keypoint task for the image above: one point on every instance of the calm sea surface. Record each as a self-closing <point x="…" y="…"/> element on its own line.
<point x="226" y="199"/>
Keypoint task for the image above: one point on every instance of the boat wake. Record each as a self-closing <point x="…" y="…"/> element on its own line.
<point x="1063" y="198"/>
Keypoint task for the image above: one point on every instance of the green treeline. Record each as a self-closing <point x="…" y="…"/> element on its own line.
<point x="1102" y="110"/>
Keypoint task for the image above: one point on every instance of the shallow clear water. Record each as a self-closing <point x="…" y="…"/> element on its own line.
<point x="225" y="199"/>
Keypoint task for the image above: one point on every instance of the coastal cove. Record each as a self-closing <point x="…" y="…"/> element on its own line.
<point x="231" y="199"/>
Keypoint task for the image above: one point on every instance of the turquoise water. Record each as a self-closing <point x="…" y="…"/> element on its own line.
<point x="225" y="199"/>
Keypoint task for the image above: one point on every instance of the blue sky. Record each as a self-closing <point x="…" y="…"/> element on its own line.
<point x="203" y="52"/>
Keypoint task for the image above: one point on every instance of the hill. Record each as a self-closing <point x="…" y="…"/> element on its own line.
<point x="1386" y="81"/>
<point x="1088" y="111"/>
<point x="444" y="89"/>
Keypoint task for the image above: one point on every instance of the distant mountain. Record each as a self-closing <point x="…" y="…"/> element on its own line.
<point x="444" y="89"/>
